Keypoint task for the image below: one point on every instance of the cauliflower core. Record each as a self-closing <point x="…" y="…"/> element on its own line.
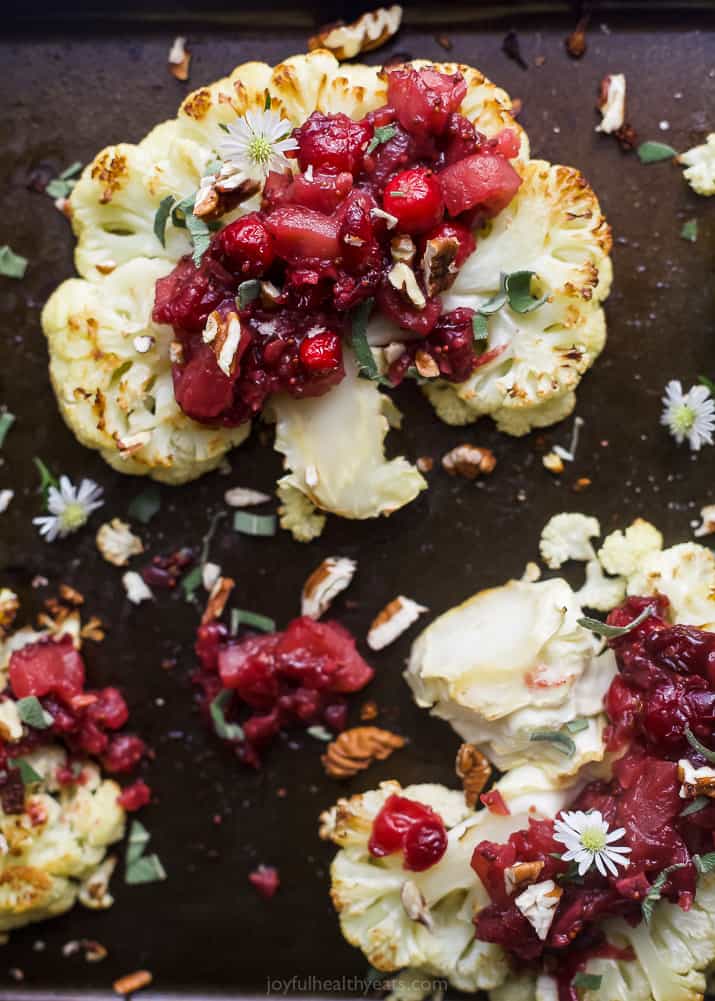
<point x="510" y="662"/>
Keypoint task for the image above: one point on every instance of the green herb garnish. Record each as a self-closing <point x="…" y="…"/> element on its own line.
<point x="690" y="230"/>
<point x="382" y="134"/>
<point x="700" y="748"/>
<point x="6" y="422"/>
<point x="47" y="479"/>
<point x="654" y="152"/>
<point x="698" y="804"/>
<point x="561" y="741"/>
<point x="358" y="339"/>
<point x="30" y="711"/>
<point x="201" y="236"/>
<point x="224" y="729"/>
<point x="247" y="292"/>
<point x="587" y="981"/>
<point x="240" y="617"/>
<point x="704" y="863"/>
<point x="12" y="265"/>
<point x="62" y="185"/>
<point x="320" y="733"/>
<point x="190" y="582"/>
<point x="145" y="505"/>
<point x="577" y="725"/>
<point x="267" y="102"/>
<point x="517" y="286"/>
<point x="254" y="524"/>
<point x="480" y="327"/>
<point x="708" y="383"/>
<point x="656" y="891"/>
<point x="613" y="632"/>
<point x="27" y="772"/>
<point x="162" y="217"/>
<point x="141" y="868"/>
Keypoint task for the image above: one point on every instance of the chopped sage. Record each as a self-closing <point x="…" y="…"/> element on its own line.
<point x="30" y="711"/>
<point x="697" y="746"/>
<point x="654" y="152"/>
<point x="382" y="134"/>
<point x="12" y="265"/>
<point x="224" y="729"/>
<point x="613" y="632"/>
<point x="561" y="741"/>
<point x="358" y="339"/>
<point x="254" y="524"/>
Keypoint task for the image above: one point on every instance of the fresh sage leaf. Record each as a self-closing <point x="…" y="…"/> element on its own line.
<point x="320" y="733"/>
<point x="587" y="981"/>
<point x="656" y="891"/>
<point x="577" y="725"/>
<point x="254" y="524"/>
<point x="224" y="729"/>
<point x="12" y="265"/>
<point x="480" y="327"/>
<point x="30" y="711"/>
<point x="190" y="582"/>
<point x="247" y="292"/>
<point x="654" y="152"/>
<point x="613" y="632"/>
<point x="147" y="869"/>
<point x="145" y="505"/>
<point x="71" y="171"/>
<point x="561" y="741"/>
<point x="382" y="134"/>
<point x="6" y="422"/>
<point x="162" y="217"/>
<point x="137" y="841"/>
<point x="704" y="863"/>
<point x="47" y="479"/>
<point x="698" y="804"/>
<point x="241" y="617"/>
<point x="27" y="772"/>
<point x="708" y="383"/>
<point x="358" y="339"/>
<point x="690" y="230"/>
<point x="700" y="748"/>
<point x="201" y="236"/>
<point x="517" y="286"/>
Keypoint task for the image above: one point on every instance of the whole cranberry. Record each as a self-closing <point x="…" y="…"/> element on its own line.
<point x="392" y="823"/>
<point x="425" y="844"/>
<point x="321" y="353"/>
<point x="135" y="796"/>
<point x="247" y="246"/>
<point x="332" y="142"/>
<point x="415" y="199"/>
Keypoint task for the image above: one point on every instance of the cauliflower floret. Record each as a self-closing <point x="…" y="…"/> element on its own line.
<point x="700" y="166"/>
<point x="50" y="859"/>
<point x="555" y="228"/>
<point x="366" y="891"/>
<point x="115" y="398"/>
<point x="601" y="592"/>
<point x="567" y="537"/>
<point x="333" y="447"/>
<point x="686" y="575"/>
<point x="298" y="515"/>
<point x="623" y="552"/>
<point x="510" y="662"/>
<point x="448" y="406"/>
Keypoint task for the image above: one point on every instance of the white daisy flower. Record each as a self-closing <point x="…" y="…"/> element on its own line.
<point x="589" y="842"/>
<point x="689" y="415"/>
<point x="69" y="508"/>
<point x="257" y="143"/>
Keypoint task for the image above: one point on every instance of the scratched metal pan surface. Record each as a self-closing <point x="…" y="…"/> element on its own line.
<point x="74" y="84"/>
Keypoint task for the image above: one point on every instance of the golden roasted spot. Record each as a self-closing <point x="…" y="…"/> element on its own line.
<point x="198" y="104"/>
<point x="20" y="876"/>
<point x="109" y="170"/>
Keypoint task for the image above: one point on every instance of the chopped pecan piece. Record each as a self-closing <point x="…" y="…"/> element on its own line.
<point x="220" y="593"/>
<point x="355" y="750"/>
<point x="363" y="35"/>
<point x="469" y="461"/>
<point x="474" y="770"/>
<point x="438" y="265"/>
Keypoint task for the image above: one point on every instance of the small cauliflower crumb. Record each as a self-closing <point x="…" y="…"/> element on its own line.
<point x="298" y="515"/>
<point x="117" y="543"/>
<point x="707" y="521"/>
<point x="137" y="590"/>
<point x="700" y="166"/>
<point x="600" y="592"/>
<point x="623" y="552"/>
<point x="567" y="536"/>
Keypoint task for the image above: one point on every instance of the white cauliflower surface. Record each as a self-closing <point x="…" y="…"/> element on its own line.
<point x="700" y="166"/>
<point x="367" y="891"/>
<point x="117" y="396"/>
<point x="58" y="844"/>
<point x="512" y="662"/>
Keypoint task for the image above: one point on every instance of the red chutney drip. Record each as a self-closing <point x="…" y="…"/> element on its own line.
<point x="404" y="825"/>
<point x="86" y="721"/>
<point x="283" y="680"/>
<point x="664" y="686"/>
<point x="321" y="239"/>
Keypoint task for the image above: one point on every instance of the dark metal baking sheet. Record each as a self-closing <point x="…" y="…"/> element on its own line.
<point x="73" y="85"/>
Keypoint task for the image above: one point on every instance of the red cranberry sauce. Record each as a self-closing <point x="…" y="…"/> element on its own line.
<point x="279" y="681"/>
<point x="321" y="245"/>
<point x="663" y="690"/>
<point x="85" y="720"/>
<point x="404" y="825"/>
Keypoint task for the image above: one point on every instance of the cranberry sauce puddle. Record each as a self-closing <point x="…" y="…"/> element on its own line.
<point x="253" y="688"/>
<point x="661" y="710"/>
<point x="399" y="192"/>
<point x="86" y="721"/>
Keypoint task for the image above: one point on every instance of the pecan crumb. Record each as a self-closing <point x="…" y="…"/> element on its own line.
<point x="445" y="41"/>
<point x="581" y="484"/>
<point x="627" y="137"/>
<point x="93" y="630"/>
<point x="553" y="462"/>
<point x="425" y="463"/>
<point x="70" y="596"/>
<point x="469" y="461"/>
<point x="217" y="599"/>
<point x="369" y="711"/>
<point x="132" y="982"/>
<point x="474" y="770"/>
<point x="576" y="41"/>
<point x="355" y="750"/>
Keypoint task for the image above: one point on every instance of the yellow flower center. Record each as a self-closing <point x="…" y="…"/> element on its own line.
<point x="683" y="418"/>
<point x="260" y="150"/>
<point x="593" y="839"/>
<point x="73" y="517"/>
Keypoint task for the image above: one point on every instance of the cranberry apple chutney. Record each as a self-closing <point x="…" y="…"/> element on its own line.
<point x="300" y="240"/>
<point x="381" y="211"/>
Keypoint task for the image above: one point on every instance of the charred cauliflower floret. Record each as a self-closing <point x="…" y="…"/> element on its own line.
<point x="534" y="361"/>
<point x="685" y="574"/>
<point x="372" y="895"/>
<point x="58" y="844"/>
<point x="512" y="662"/>
<point x="92" y="326"/>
